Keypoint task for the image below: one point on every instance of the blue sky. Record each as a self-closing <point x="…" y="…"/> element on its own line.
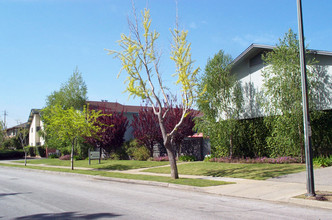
<point x="42" y="41"/>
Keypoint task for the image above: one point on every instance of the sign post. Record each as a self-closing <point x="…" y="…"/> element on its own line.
<point x="94" y="155"/>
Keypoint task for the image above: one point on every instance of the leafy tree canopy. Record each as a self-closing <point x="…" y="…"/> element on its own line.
<point x="283" y="96"/>
<point x="73" y="93"/>
<point x="112" y="128"/>
<point x="221" y="103"/>
<point x="146" y="127"/>
<point x="70" y="124"/>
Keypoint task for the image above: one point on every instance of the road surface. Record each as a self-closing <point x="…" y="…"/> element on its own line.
<point x="30" y="194"/>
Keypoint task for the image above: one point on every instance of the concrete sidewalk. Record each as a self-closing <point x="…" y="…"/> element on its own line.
<point x="281" y="189"/>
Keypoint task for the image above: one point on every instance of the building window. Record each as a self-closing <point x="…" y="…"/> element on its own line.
<point x="31" y="130"/>
<point x="38" y="128"/>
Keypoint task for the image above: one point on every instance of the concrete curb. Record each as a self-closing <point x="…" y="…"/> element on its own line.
<point x="311" y="203"/>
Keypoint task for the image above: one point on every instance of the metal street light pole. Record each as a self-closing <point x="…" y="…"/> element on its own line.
<point x="306" y="119"/>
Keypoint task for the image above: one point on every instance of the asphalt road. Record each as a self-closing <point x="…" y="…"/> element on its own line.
<point x="28" y="194"/>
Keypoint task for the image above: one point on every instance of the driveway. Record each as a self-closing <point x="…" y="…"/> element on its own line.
<point x="322" y="176"/>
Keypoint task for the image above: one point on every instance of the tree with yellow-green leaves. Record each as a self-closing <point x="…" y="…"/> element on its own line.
<point x="140" y="60"/>
<point x="72" y="93"/>
<point x="70" y="124"/>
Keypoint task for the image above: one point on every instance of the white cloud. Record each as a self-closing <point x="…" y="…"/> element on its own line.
<point x="196" y="25"/>
<point x="193" y="25"/>
<point x="248" y="39"/>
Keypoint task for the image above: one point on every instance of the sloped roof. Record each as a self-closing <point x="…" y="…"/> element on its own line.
<point x="251" y="51"/>
<point x="32" y="112"/>
<point x="255" y="49"/>
<point x="23" y="125"/>
<point x="114" y="106"/>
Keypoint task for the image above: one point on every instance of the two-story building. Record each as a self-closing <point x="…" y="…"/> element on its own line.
<point x="35" y="124"/>
<point x="248" y="67"/>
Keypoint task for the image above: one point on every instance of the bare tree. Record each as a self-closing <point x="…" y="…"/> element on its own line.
<point x="140" y="60"/>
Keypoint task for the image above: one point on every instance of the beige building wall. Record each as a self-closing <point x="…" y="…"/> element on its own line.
<point x="35" y="126"/>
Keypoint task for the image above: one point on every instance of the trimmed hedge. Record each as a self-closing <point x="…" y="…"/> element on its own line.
<point x="11" y="154"/>
<point x="251" y="137"/>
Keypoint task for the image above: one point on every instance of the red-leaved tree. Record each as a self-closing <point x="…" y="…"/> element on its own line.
<point x="111" y="135"/>
<point x="185" y="129"/>
<point x="146" y="127"/>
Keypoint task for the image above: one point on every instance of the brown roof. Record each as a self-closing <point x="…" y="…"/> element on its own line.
<point x="24" y="125"/>
<point x="114" y="106"/>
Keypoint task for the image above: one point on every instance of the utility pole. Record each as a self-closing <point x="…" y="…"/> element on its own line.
<point x="4" y="118"/>
<point x="306" y="118"/>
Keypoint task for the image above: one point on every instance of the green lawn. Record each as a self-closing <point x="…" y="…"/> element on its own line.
<point x="245" y="171"/>
<point x="181" y="181"/>
<point x="105" y="164"/>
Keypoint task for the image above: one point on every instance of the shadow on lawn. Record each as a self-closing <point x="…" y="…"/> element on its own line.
<point x="115" y="167"/>
<point x="253" y="173"/>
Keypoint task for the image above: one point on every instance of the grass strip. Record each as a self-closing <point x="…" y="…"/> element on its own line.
<point x="105" y="164"/>
<point x="181" y="181"/>
<point x="244" y="171"/>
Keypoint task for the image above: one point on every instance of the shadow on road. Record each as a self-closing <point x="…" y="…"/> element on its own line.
<point x="9" y="194"/>
<point x="69" y="215"/>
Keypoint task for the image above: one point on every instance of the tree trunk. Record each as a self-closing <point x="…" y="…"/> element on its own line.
<point x="151" y="149"/>
<point x="169" y="147"/>
<point x="72" y="155"/>
<point x="25" y="157"/>
<point x="100" y="153"/>
<point x="231" y="146"/>
<point x="172" y="162"/>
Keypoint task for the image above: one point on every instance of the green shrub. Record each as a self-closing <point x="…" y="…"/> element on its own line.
<point x="65" y="151"/>
<point x="323" y="161"/>
<point x="84" y="149"/>
<point x="78" y="157"/>
<point x="41" y="151"/>
<point x="132" y="150"/>
<point x="12" y="143"/>
<point x="119" y="154"/>
<point x="11" y="154"/>
<point x="32" y="151"/>
<point x="53" y="155"/>
<point x="207" y="158"/>
<point x="141" y="153"/>
<point x="129" y="147"/>
<point x="187" y="158"/>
